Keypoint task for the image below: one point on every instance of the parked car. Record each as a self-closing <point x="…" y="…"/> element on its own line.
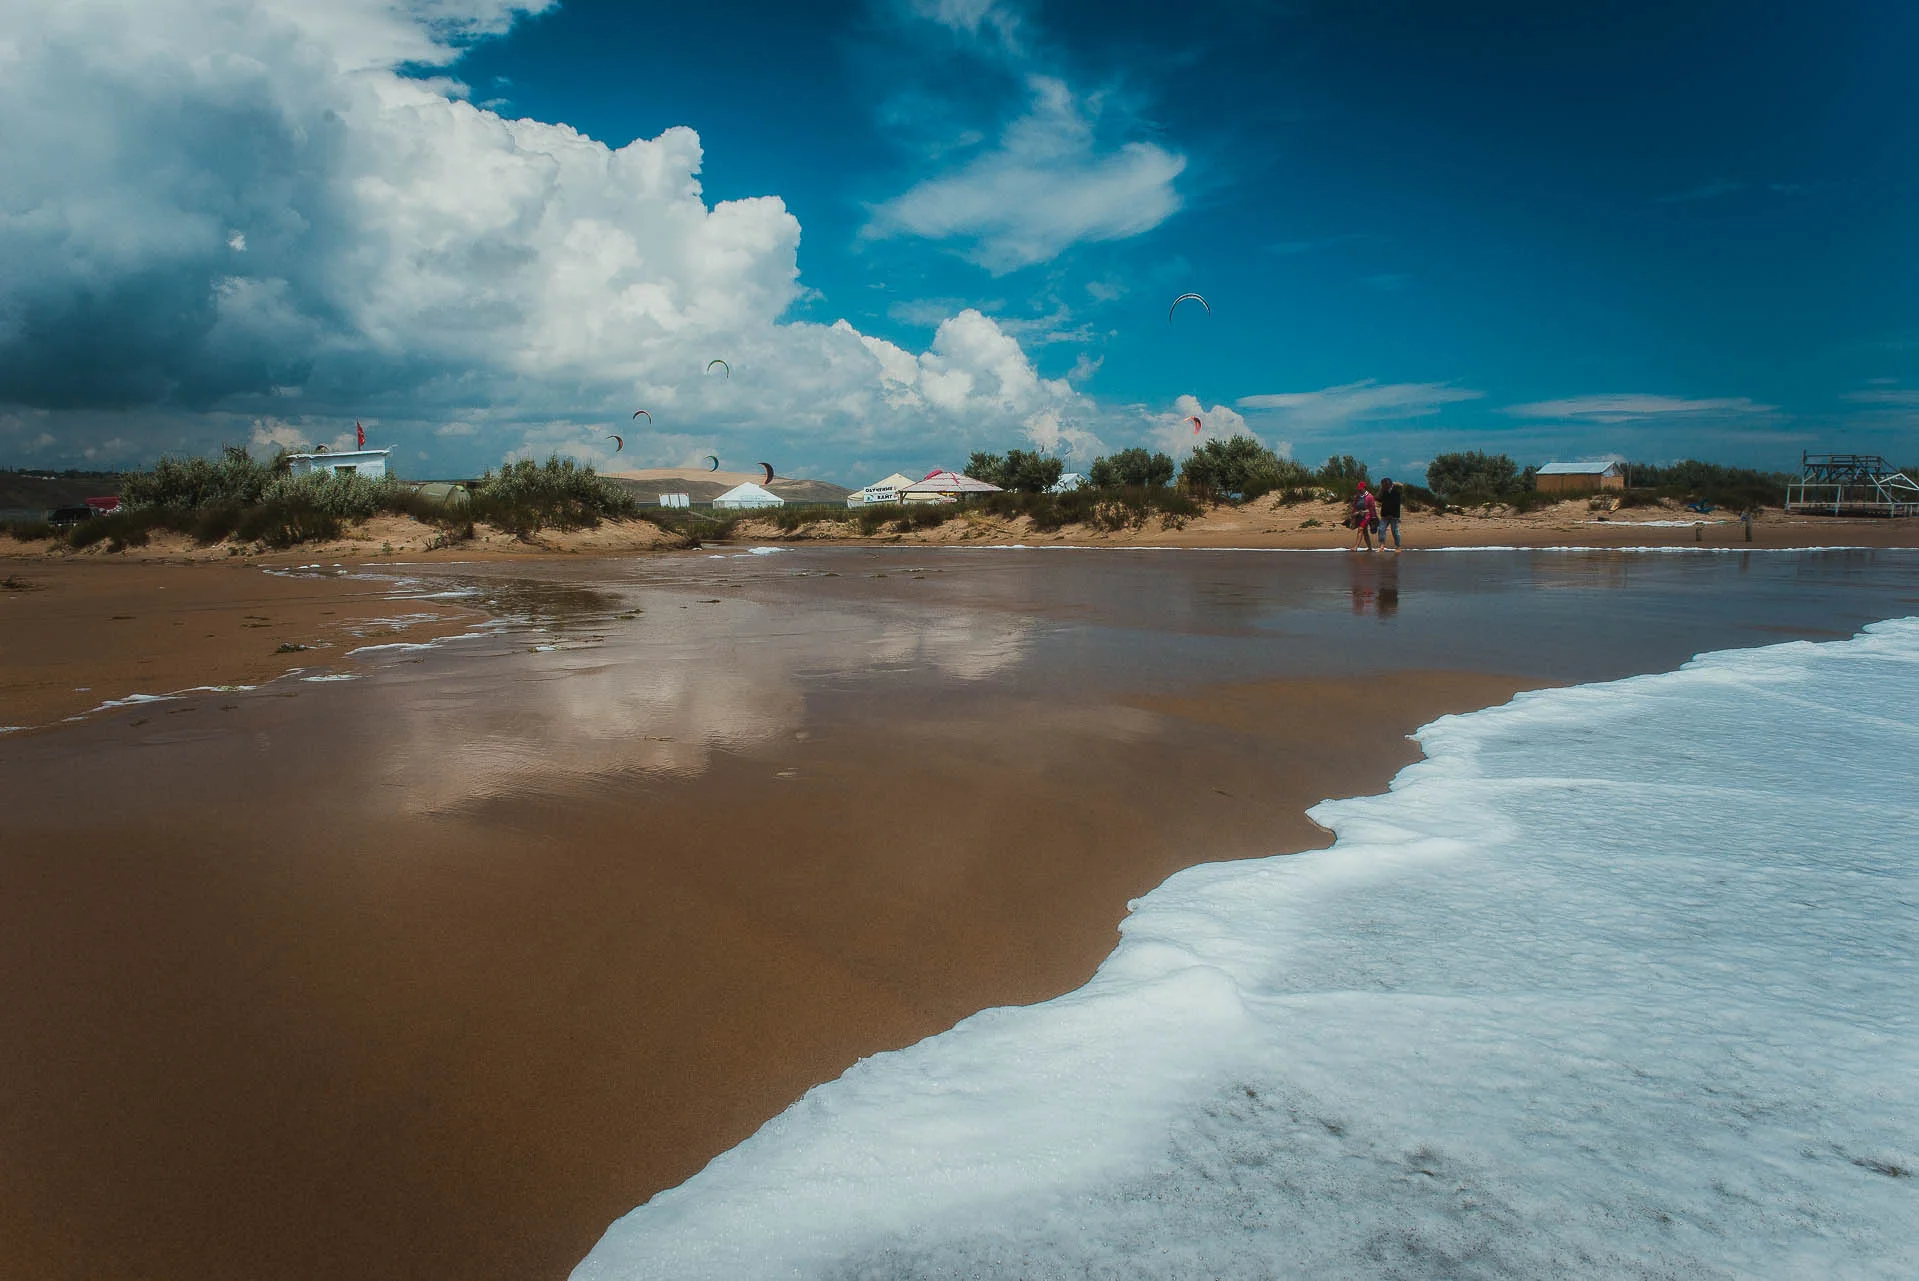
<point x="61" y="517"/>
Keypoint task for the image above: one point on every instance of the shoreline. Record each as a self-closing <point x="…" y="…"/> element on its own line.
<point x="446" y="971"/>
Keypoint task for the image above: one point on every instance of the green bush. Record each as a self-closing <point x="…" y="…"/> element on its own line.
<point x="1692" y="481"/>
<point x="1473" y="477"/>
<point x="1341" y="474"/>
<point x="1131" y="469"/>
<point x="526" y="496"/>
<point x="1240" y="466"/>
<point x="188" y="484"/>
<point x="27" y="531"/>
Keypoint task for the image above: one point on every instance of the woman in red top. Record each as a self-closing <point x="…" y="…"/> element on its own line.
<point x="1365" y="516"/>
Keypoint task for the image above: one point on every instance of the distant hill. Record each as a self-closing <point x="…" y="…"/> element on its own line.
<point x="703" y="486"/>
<point x="28" y="495"/>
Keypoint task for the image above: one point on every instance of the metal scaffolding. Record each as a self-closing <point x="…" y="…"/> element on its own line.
<point x="1851" y="485"/>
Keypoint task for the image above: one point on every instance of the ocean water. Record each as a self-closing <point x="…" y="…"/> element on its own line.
<point x="1620" y="981"/>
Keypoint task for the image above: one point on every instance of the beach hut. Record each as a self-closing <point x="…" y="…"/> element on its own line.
<point x="748" y="497"/>
<point x="945" y="487"/>
<point x="370" y="463"/>
<point x="1579" y="478"/>
<point x="880" y="491"/>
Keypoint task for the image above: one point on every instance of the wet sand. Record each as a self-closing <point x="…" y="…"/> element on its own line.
<point x="77" y="633"/>
<point x="437" y="972"/>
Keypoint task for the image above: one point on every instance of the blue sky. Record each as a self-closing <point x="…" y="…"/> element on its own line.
<point x="919" y="227"/>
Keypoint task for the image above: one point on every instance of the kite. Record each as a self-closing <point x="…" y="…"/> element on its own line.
<point x="1182" y="298"/>
<point x="715" y="460"/>
<point x="769" y="472"/>
<point x="638" y="412"/>
<point x="1197" y="424"/>
<point x="722" y="364"/>
<point x="618" y="443"/>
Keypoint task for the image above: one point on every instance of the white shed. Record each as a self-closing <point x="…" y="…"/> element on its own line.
<point x="370" y="463"/>
<point x="676" y="500"/>
<point x="747" y="497"/>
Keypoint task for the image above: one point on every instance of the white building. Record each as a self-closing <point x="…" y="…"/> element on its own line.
<point x="370" y="463"/>
<point x="748" y="497"/>
<point x="676" y="500"/>
<point x="880" y="491"/>
<point x="1067" y="483"/>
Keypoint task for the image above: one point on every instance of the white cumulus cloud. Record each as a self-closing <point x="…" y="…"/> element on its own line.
<point x="216" y="213"/>
<point x="1047" y="186"/>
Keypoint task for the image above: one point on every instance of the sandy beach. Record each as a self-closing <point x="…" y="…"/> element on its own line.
<point x="440" y="969"/>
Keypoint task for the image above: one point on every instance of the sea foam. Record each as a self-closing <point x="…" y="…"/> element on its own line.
<point x="1619" y="981"/>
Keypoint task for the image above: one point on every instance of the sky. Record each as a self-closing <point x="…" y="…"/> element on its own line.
<point x="491" y="229"/>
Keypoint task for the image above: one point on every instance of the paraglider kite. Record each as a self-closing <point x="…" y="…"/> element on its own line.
<point x="769" y="472"/>
<point x="722" y="364"/>
<point x="619" y="443"/>
<point x="1182" y="298"/>
<point x="641" y="412"/>
<point x="1197" y="424"/>
<point x="715" y="460"/>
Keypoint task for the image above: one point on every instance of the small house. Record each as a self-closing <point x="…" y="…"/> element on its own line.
<point x="1579" y="478"/>
<point x="370" y="463"/>
<point x="748" y="497"/>
<point x="945" y="487"/>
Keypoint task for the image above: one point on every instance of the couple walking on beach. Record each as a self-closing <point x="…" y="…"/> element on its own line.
<point x="1375" y="516"/>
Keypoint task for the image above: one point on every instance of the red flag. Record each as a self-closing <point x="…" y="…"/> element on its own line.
<point x="361" y="433"/>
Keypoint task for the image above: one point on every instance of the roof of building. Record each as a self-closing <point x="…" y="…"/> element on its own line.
<point x="1600" y="467"/>
<point x="344" y="453"/>
<point x="950" y="482"/>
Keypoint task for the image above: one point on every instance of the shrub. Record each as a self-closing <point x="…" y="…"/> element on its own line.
<point x="348" y="497"/>
<point x="28" y="531"/>
<point x="1341" y="473"/>
<point x="187" y="484"/>
<point x="1131" y="468"/>
<point x="1472" y="477"/>
<point x="1693" y="480"/>
<point x="1240" y="465"/>
<point x="526" y="496"/>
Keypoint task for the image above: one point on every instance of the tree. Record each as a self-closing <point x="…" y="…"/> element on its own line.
<point x="1240" y="465"/>
<point x="990" y="468"/>
<point x="1472" y="477"/>
<point x="1341" y="474"/>
<point x="1021" y="470"/>
<point x="1131" y="468"/>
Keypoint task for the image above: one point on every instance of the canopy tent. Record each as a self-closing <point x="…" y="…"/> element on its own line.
<point x="880" y="491"/>
<point x="747" y="496"/>
<point x="945" y="486"/>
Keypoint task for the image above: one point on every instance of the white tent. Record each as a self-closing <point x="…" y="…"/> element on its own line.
<point x="1067" y="483"/>
<point x="749" y="495"/>
<point x="880" y="491"/>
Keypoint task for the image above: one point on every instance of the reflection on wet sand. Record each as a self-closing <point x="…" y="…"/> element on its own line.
<point x="437" y="971"/>
<point x="657" y="682"/>
<point x="1374" y="584"/>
